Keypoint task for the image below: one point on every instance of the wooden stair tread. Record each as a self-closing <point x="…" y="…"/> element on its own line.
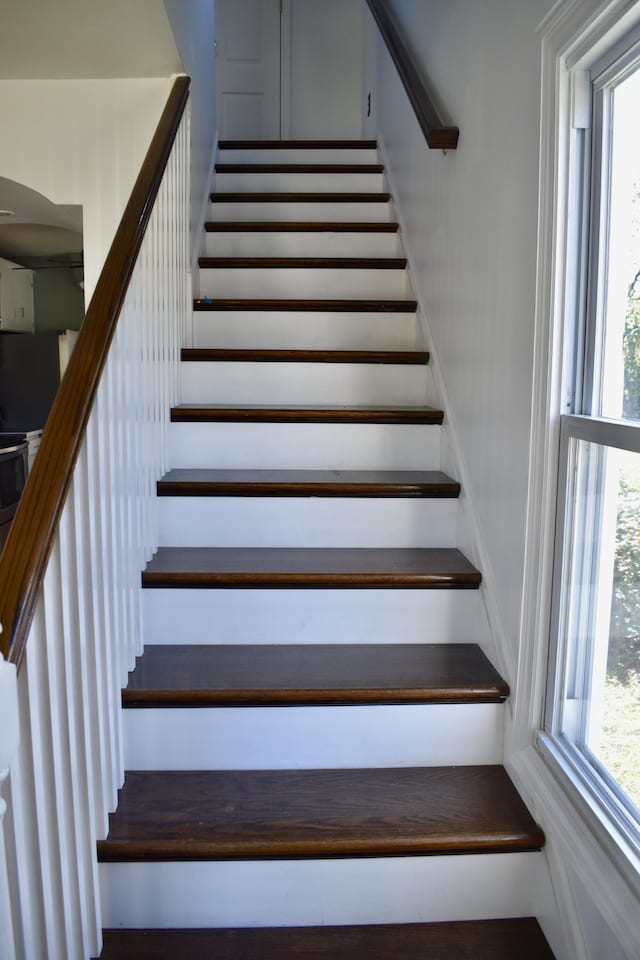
<point x="273" y="197"/>
<point x="290" y="413"/>
<point x="307" y="226"/>
<point x="298" y="145"/>
<point x="287" y="674"/>
<point x="514" y="939"/>
<point x="308" y="306"/>
<point x="414" y="357"/>
<point x="421" y="568"/>
<point x="305" y="483"/>
<point x="308" y="263"/>
<point x="269" y="814"/>
<point x="299" y="167"/>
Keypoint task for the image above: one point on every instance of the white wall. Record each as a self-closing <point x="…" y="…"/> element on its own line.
<point x="325" y="69"/>
<point x="192" y="22"/>
<point x="80" y="142"/>
<point x="470" y="220"/>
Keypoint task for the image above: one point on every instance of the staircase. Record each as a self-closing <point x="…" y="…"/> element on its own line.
<point x="313" y="733"/>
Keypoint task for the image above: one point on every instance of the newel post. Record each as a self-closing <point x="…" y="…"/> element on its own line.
<point x="9" y="739"/>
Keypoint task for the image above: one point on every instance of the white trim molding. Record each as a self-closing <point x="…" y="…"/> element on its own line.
<point x="573" y="35"/>
<point x="9" y="742"/>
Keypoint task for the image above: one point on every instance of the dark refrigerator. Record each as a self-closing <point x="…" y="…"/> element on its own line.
<point x="29" y="379"/>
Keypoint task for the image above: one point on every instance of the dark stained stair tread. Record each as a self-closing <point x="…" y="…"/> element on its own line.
<point x="271" y="814"/>
<point x="299" y="167"/>
<point x="298" y="145"/>
<point x="265" y="674"/>
<point x="307" y="263"/>
<point x="515" y="939"/>
<point x="305" y="483"/>
<point x="308" y="306"/>
<point x="288" y="413"/>
<point x="416" y="357"/>
<point x="288" y="226"/>
<point x="428" y="568"/>
<point x="273" y="197"/>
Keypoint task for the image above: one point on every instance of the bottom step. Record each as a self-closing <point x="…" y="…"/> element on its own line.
<point x="519" y="939"/>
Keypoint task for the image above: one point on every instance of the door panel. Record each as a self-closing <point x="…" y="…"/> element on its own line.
<point x="248" y="69"/>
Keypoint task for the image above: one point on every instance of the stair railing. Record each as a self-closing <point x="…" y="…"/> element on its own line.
<point x="437" y="135"/>
<point x="70" y="571"/>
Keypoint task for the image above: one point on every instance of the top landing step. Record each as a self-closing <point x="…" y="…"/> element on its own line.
<point x="297" y="145"/>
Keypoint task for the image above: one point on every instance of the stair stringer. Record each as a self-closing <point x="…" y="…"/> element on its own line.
<point x="199" y="249"/>
<point x="469" y="537"/>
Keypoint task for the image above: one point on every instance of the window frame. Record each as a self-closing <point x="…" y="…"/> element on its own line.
<point x="588" y="204"/>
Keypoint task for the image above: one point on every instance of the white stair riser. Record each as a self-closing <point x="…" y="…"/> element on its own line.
<point x="303" y="211"/>
<point x="313" y="616"/>
<point x="313" y="446"/>
<point x="301" y="383"/>
<point x="306" y="331"/>
<point x="306" y="522"/>
<point x="306" y="244"/>
<point x="297" y="738"/>
<point x="298" y="155"/>
<point x="303" y="283"/>
<point x="314" y="892"/>
<point x="299" y="182"/>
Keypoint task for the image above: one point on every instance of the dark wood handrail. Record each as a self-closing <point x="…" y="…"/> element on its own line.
<point x="437" y="135"/>
<point x="24" y="560"/>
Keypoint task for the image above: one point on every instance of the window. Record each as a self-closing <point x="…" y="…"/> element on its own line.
<point x="593" y="701"/>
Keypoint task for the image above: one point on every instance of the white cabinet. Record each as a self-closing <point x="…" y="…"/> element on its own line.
<point x="16" y="297"/>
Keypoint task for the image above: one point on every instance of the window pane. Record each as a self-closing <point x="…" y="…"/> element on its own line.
<point x="621" y="348"/>
<point x="601" y="611"/>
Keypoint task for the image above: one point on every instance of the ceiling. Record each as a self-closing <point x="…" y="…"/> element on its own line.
<point x="36" y="227"/>
<point x="67" y="39"/>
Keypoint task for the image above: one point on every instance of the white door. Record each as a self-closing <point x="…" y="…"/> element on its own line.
<point x="248" y="69"/>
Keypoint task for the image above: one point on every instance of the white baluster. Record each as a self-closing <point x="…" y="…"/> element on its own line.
<point x="87" y="626"/>
<point x="9" y="738"/>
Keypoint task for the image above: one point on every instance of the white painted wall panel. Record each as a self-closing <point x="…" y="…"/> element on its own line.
<point x="470" y="229"/>
<point x="325" y="69"/>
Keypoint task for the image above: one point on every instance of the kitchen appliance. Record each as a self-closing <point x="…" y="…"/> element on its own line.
<point x="13" y="475"/>
<point x="29" y="379"/>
